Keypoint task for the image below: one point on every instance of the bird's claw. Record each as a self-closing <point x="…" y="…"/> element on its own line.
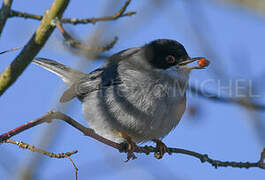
<point x="132" y="147"/>
<point x="161" y="149"/>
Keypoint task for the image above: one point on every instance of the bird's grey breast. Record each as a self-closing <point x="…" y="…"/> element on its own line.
<point x="154" y="101"/>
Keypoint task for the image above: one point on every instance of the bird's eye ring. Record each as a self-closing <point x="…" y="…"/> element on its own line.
<point x="170" y="59"/>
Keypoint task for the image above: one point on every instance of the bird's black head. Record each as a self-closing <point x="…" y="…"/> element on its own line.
<point x="164" y="53"/>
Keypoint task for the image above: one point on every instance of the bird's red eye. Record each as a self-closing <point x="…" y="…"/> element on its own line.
<point x="170" y="59"/>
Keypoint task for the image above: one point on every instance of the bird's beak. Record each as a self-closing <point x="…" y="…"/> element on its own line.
<point x="191" y="60"/>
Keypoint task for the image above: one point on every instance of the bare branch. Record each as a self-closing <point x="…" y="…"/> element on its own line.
<point x="76" y="169"/>
<point x="146" y="149"/>
<point x="13" y="71"/>
<point x="34" y="149"/>
<point x="75" y="21"/>
<point x="10" y="50"/>
<point x="262" y="159"/>
<point x="78" y="45"/>
<point x="4" y="13"/>
<point x="254" y="5"/>
<point x="50" y="154"/>
<point x="25" y="15"/>
<point x="240" y="101"/>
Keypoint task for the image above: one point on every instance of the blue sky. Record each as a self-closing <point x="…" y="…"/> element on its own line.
<point x="223" y="131"/>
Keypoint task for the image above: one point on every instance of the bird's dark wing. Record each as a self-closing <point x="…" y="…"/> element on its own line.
<point x="103" y="77"/>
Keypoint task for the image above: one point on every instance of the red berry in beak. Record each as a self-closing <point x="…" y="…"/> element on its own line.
<point x="203" y="62"/>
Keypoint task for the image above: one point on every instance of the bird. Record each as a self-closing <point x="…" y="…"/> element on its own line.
<point x="137" y="95"/>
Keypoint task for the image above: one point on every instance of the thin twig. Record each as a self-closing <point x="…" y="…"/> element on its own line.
<point x="78" y="45"/>
<point x="146" y="149"/>
<point x="50" y="154"/>
<point x="76" y="169"/>
<point x="75" y="21"/>
<point x="34" y="149"/>
<point x="12" y="49"/>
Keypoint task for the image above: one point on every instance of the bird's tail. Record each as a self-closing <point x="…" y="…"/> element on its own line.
<point x="68" y="74"/>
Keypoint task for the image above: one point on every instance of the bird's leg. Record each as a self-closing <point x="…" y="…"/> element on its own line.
<point x="131" y="146"/>
<point x="161" y="148"/>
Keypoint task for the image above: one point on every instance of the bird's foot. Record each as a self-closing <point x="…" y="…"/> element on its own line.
<point x="132" y="147"/>
<point x="161" y="149"/>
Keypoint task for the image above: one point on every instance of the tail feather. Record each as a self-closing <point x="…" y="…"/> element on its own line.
<point x="68" y="74"/>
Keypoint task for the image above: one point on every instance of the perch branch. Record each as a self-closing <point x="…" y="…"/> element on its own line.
<point x="145" y="149"/>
